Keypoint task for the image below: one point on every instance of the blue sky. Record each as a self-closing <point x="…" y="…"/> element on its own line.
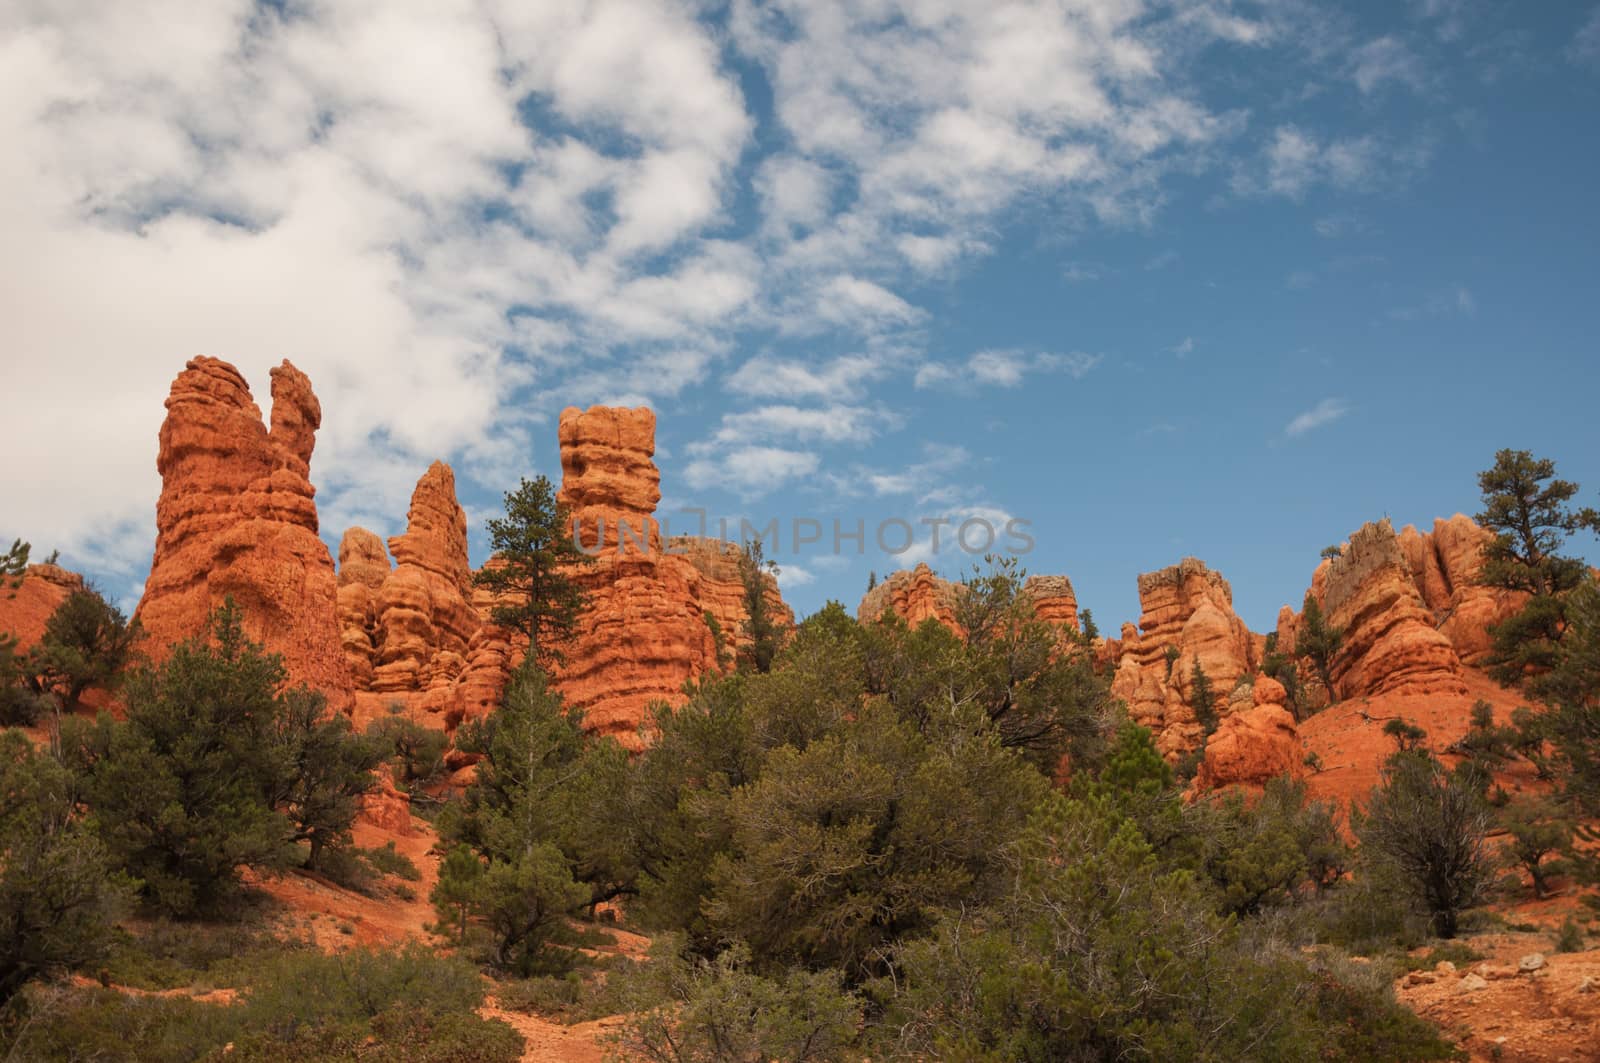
<point x="1163" y="279"/>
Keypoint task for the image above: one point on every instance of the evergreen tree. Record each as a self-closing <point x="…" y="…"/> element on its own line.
<point x="1429" y="825"/>
<point x="87" y="643"/>
<point x="323" y="771"/>
<point x="1318" y="642"/>
<point x="1204" y="699"/>
<point x="525" y="821"/>
<point x="59" y="895"/>
<point x="1528" y="510"/>
<point x="215" y="770"/>
<point x="531" y="573"/>
<point x="760" y="625"/>
<point x="13" y="566"/>
<point x="1538" y="829"/>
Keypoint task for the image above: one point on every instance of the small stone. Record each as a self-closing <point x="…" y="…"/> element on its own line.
<point x="1471" y="984"/>
<point x="1530" y="963"/>
<point x="1590" y="984"/>
<point x="1496" y="971"/>
<point x="1421" y="978"/>
<point x="1444" y="967"/>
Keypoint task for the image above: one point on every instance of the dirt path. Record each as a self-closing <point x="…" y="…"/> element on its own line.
<point x="551" y="1042"/>
<point x="1497" y="1012"/>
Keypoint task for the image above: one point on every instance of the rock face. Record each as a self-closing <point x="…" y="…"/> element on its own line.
<point x="1187" y="618"/>
<point x="644" y="633"/>
<point x="237" y="517"/>
<point x="1390" y="643"/>
<point x="407" y="630"/>
<point x="1446" y="565"/>
<point x="721" y="588"/>
<point x="1253" y="745"/>
<point x="1053" y="600"/>
<point x="25" y="608"/>
<point x="917" y="594"/>
<point x="914" y="595"/>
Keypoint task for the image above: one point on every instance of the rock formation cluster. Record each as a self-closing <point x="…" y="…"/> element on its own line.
<point x="402" y="624"/>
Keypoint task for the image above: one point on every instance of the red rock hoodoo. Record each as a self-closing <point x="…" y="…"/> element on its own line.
<point x="237" y="518"/>
<point x="916" y="594"/>
<point x="644" y="633"/>
<point x="406" y="631"/>
<point x="1187" y="618"/>
<point x="1390" y="643"/>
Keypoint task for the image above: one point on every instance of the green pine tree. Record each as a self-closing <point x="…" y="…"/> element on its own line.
<point x="531" y="573"/>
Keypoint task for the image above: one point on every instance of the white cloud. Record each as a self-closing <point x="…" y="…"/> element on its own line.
<point x="1162" y="260"/>
<point x="258" y="183"/>
<point x="1585" y="47"/>
<point x="837" y="423"/>
<point x="1184" y="347"/>
<point x="1386" y="59"/>
<point x="772" y="377"/>
<point x="1005" y="368"/>
<point x="1295" y="160"/>
<point x="751" y="471"/>
<point x="1457" y="300"/>
<point x="791" y="575"/>
<point x="1322" y="414"/>
<point x="1081" y="272"/>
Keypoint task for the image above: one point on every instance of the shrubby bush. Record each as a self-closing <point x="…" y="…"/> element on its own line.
<point x="407" y="1004"/>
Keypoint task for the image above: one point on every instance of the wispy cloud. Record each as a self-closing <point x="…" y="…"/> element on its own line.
<point x="751" y="471"/>
<point x="1183" y="348"/>
<point x="1083" y="272"/>
<point x="1005" y="368"/>
<point x="1585" y="47"/>
<point x="1385" y="60"/>
<point x="1296" y="160"/>
<point x="1321" y="415"/>
<point x="1457" y="300"/>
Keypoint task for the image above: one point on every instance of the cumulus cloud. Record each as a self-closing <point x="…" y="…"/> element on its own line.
<point x="1322" y="414"/>
<point x="258" y="182"/>
<point x="459" y="217"/>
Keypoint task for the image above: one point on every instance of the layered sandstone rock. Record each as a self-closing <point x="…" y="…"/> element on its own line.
<point x="418" y="637"/>
<point x="644" y="633"/>
<point x="1186" y="619"/>
<point x="425" y="612"/>
<point x="237" y="518"/>
<point x="26" y="608"/>
<point x="407" y="630"/>
<point x="1053" y="600"/>
<point x="1390" y="644"/>
<point x="1446" y="565"/>
<point x="1253" y="746"/>
<point x="363" y="566"/>
<point x="914" y="595"/>
<point x="721" y="588"/>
